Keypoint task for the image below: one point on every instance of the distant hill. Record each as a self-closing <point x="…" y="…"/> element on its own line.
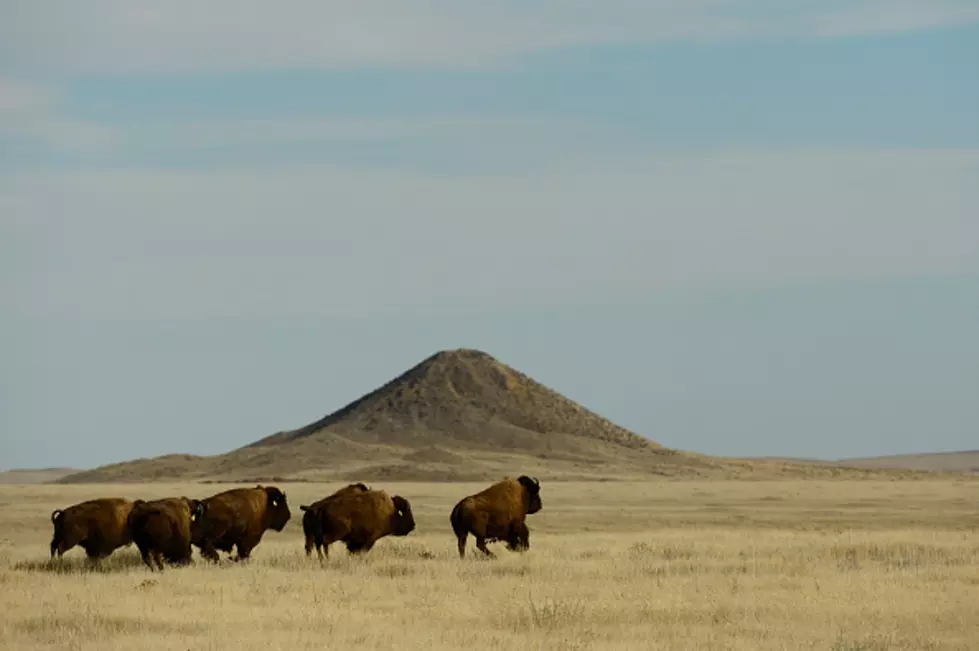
<point x="34" y="475"/>
<point x="964" y="461"/>
<point x="457" y="415"/>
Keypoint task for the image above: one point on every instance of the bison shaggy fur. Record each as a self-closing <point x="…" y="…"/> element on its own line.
<point x="360" y="518"/>
<point x="98" y="526"/>
<point x="498" y="512"/>
<point x="238" y="518"/>
<point x="163" y="529"/>
<point x="312" y="523"/>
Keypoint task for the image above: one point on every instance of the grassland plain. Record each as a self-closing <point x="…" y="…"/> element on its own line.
<point x="835" y="565"/>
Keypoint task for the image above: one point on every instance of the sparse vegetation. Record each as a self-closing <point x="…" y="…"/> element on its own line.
<point x="837" y="566"/>
<point x="459" y="415"/>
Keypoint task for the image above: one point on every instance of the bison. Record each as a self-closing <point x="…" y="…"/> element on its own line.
<point x="98" y="526"/>
<point x="360" y="518"/>
<point x="312" y="528"/>
<point x="238" y="518"/>
<point x="498" y="512"/>
<point x="163" y="529"/>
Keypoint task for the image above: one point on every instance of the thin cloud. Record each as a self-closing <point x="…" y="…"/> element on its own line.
<point x="278" y="131"/>
<point x="469" y="139"/>
<point x="29" y="112"/>
<point x="18" y="98"/>
<point x="338" y="242"/>
<point x="895" y="16"/>
<point x="118" y="36"/>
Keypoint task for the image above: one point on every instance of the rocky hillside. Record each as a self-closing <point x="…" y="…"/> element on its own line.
<point x="457" y="415"/>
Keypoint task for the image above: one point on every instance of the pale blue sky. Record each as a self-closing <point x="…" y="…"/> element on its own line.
<point x="737" y="228"/>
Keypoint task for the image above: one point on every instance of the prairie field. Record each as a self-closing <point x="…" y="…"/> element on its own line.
<point x="741" y="565"/>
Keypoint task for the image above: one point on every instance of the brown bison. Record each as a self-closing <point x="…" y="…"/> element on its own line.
<point x="498" y="512"/>
<point x="162" y="529"/>
<point x="312" y="528"/>
<point x="238" y="518"/>
<point x="360" y="518"/>
<point x="98" y="526"/>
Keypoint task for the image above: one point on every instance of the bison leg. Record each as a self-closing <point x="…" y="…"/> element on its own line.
<point x="317" y="541"/>
<point x="94" y="556"/>
<point x="64" y="547"/>
<point x="481" y="546"/>
<point x="462" y="543"/>
<point x="180" y="555"/>
<point x="518" y="537"/>
<point x="158" y="557"/>
<point x="209" y="553"/>
<point x="57" y="542"/>
<point x="322" y="544"/>
<point x="178" y="561"/>
<point x="92" y="549"/>
<point x="147" y="558"/>
<point x="357" y="546"/>
<point x="64" y="538"/>
<point x="323" y="548"/>
<point x="244" y="550"/>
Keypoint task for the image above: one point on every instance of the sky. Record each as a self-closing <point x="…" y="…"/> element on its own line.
<point x="738" y="227"/>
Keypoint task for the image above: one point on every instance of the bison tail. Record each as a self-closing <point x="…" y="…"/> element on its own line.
<point x="303" y="507"/>
<point x="58" y="519"/>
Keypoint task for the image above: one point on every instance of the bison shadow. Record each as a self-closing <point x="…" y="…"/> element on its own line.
<point x="120" y="562"/>
<point x="80" y="564"/>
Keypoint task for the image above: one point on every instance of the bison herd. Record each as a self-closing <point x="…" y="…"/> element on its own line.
<point x="167" y="529"/>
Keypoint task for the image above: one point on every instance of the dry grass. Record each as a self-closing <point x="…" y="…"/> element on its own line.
<point x="34" y="476"/>
<point x="965" y="461"/>
<point x="840" y="566"/>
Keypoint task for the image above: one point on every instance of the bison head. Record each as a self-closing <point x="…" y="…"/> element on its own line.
<point x="532" y="489"/>
<point x="277" y="509"/>
<point x="402" y="520"/>
<point x="197" y="509"/>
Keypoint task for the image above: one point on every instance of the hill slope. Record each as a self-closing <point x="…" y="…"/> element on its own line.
<point x="964" y="461"/>
<point x="457" y="415"/>
<point x="34" y="475"/>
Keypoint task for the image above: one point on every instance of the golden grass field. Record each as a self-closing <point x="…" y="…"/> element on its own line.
<point x="835" y="565"/>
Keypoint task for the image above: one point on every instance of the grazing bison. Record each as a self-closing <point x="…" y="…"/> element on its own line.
<point x="498" y="512"/>
<point x="312" y="524"/>
<point x="98" y="526"/>
<point x="163" y="529"/>
<point x="238" y="518"/>
<point x="360" y="518"/>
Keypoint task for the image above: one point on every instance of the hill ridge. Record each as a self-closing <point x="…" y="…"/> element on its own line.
<point x="457" y="415"/>
<point x="474" y="368"/>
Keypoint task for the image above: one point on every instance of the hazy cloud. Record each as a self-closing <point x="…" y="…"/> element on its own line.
<point x="112" y="36"/>
<point x="30" y="112"/>
<point x="334" y="241"/>
<point x="891" y="16"/>
<point x="495" y="138"/>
